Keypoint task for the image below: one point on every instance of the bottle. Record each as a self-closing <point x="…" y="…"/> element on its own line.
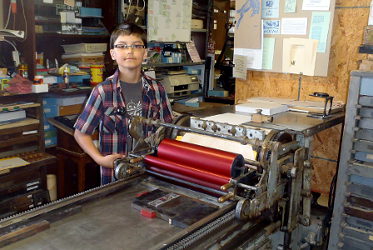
<point x="66" y="77"/>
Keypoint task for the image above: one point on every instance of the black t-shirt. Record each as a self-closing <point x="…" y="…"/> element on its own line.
<point x="132" y="93"/>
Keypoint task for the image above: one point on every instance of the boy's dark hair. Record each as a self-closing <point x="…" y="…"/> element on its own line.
<point x="127" y="29"/>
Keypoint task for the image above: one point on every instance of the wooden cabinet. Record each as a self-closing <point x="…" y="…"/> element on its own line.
<point x="49" y="42"/>
<point x="23" y="187"/>
<point x="25" y="133"/>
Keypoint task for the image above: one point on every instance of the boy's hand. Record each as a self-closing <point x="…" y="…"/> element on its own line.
<point x="108" y="160"/>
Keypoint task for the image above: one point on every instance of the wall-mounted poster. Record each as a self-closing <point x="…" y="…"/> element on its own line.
<point x="169" y="20"/>
<point x="248" y="18"/>
<point x="290" y="28"/>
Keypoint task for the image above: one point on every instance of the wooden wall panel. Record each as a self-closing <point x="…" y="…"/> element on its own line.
<point x="351" y="16"/>
<point x="348" y="28"/>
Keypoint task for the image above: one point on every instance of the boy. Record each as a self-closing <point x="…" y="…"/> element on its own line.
<point x="127" y="92"/>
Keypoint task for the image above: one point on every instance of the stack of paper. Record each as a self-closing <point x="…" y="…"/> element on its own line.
<point x="12" y="116"/>
<point x="264" y="108"/>
<point x="302" y="106"/>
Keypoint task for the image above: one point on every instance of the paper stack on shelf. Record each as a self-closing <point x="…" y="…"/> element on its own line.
<point x="84" y="54"/>
<point x="12" y="116"/>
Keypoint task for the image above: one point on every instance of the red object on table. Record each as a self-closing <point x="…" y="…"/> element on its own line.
<point x="185" y="170"/>
<point x="185" y="178"/>
<point x="199" y="157"/>
<point x="204" y="166"/>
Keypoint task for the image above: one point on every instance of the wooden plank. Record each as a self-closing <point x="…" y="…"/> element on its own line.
<point x="23" y="232"/>
<point x="70" y="109"/>
<point x="23" y="139"/>
<point x="11" y="107"/>
<point x="347" y="37"/>
<point x="25" y="122"/>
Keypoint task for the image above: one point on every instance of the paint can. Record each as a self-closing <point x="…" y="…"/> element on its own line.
<point x="97" y="73"/>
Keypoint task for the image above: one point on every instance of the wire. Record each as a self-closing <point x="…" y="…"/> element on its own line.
<point x="138" y="9"/>
<point x="24" y="17"/>
<point x="7" y="20"/>
<point x="128" y="9"/>
<point x="143" y="5"/>
<point x="9" y="42"/>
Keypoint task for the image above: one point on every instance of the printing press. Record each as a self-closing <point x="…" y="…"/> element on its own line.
<point x="205" y="196"/>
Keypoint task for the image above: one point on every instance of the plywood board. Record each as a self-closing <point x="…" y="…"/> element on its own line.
<point x="344" y="57"/>
<point x="282" y="26"/>
<point x="351" y="16"/>
<point x="322" y="59"/>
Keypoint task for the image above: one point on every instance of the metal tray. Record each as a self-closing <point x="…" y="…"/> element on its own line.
<point x="366" y="101"/>
<point x="366" y="123"/>
<point x="366" y="112"/>
<point x="363" y="146"/>
<point x="366" y="134"/>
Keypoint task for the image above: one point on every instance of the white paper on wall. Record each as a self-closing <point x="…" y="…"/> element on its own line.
<point x="169" y="20"/>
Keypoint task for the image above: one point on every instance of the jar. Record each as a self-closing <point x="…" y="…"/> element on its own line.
<point x="38" y="79"/>
<point x="23" y="70"/>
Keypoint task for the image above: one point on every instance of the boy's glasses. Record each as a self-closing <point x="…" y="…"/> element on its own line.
<point x="126" y="46"/>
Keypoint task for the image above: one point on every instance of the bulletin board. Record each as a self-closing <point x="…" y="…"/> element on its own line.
<point x="169" y="20"/>
<point x="295" y="36"/>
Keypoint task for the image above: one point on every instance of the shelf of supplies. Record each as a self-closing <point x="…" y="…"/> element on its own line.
<point x="192" y="30"/>
<point x="28" y="122"/>
<point x="199" y="30"/>
<point x="59" y="35"/>
<point x="177" y="98"/>
<point x="16" y="106"/>
<point x="166" y="65"/>
<point x="23" y="139"/>
<point x="68" y="92"/>
<point x="217" y="99"/>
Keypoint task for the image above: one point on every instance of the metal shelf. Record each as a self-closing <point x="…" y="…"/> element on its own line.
<point x="166" y="65"/>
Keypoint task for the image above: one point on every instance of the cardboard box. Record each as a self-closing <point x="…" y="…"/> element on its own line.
<point x="40" y="88"/>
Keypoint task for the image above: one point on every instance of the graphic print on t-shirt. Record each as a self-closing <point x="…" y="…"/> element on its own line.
<point x="134" y="109"/>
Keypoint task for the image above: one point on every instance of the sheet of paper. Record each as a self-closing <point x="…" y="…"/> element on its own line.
<point x="12" y="162"/>
<point x="268" y="51"/>
<point x="223" y="144"/>
<point x="320" y="28"/>
<point x="248" y="17"/>
<point x="266" y="108"/>
<point x="231" y="118"/>
<point x="294" y="26"/>
<point x="316" y="5"/>
<point x="290" y="6"/>
<point x="240" y="67"/>
<point x="270" y="8"/>
<point x="254" y="57"/>
<point x="299" y="56"/>
<point x="169" y="20"/>
<point x="69" y="2"/>
<point x="193" y="53"/>
<point x="271" y="27"/>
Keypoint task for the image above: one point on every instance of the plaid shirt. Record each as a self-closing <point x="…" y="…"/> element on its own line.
<point x="100" y="109"/>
